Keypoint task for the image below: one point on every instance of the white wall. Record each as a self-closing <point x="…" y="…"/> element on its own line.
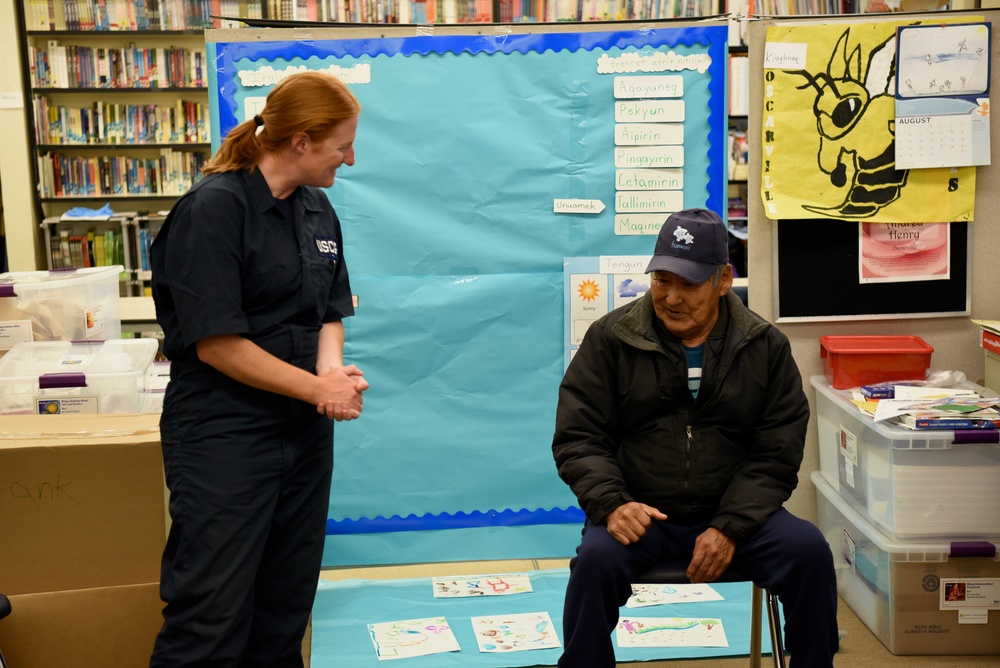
<point x="16" y="184"/>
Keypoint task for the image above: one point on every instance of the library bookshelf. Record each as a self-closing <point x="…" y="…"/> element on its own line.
<point x="116" y="110"/>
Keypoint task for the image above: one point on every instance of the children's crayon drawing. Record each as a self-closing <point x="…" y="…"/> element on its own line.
<point x="670" y="632"/>
<point x="412" y="637"/>
<point x="516" y="632"/>
<point x="481" y="585"/>
<point x="659" y="594"/>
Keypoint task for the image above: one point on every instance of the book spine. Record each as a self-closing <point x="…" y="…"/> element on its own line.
<point x="953" y="423"/>
<point x="56" y="249"/>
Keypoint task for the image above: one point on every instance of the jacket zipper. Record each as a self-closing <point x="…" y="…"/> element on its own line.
<point x="687" y="459"/>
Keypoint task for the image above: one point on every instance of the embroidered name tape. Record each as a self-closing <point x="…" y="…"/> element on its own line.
<point x="327" y="247"/>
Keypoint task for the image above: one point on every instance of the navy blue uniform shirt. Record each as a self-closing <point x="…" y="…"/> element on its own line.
<point x="227" y="261"/>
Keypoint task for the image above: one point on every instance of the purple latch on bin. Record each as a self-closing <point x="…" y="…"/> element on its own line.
<point x="974" y="548"/>
<point x="976" y="436"/>
<point x="7" y="290"/>
<point x="48" y="381"/>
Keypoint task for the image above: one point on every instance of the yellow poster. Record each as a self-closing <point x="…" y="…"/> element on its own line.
<point x="829" y="136"/>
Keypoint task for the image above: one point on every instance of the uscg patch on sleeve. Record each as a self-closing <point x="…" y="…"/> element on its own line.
<point x="327" y="247"/>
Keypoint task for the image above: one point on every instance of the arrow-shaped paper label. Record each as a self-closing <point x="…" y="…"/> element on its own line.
<point x="577" y="206"/>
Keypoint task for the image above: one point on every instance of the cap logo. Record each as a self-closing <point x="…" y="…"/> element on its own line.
<point x="683" y="237"/>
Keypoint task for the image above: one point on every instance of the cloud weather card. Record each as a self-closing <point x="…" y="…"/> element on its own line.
<point x="515" y="632"/>
<point x="412" y="637"/>
<point x="480" y="585"/>
<point x="670" y="632"/>
<point x="659" y="594"/>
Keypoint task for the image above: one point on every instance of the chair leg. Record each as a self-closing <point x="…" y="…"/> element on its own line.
<point x="755" y="625"/>
<point x="774" y="624"/>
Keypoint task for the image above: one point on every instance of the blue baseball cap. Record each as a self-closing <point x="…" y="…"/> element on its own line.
<point x="691" y="244"/>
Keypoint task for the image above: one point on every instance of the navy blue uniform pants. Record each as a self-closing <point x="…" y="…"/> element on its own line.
<point x="788" y="556"/>
<point x="249" y="477"/>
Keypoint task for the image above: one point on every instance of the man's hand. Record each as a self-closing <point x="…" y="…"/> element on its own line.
<point x="628" y="523"/>
<point x="713" y="551"/>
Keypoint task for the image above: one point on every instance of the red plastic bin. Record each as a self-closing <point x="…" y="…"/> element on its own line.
<point x="852" y="361"/>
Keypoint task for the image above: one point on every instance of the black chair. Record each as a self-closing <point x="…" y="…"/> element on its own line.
<point x="675" y="572"/>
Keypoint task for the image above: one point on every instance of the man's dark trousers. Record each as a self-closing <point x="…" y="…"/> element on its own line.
<point x="788" y="556"/>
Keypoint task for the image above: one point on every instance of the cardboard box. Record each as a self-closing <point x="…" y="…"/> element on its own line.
<point x="81" y="502"/>
<point x="107" y="627"/>
<point x="897" y="588"/>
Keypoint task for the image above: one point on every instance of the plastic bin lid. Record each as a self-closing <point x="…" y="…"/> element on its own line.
<point x="912" y="548"/>
<point x="868" y="345"/>
<point x="29" y="360"/>
<point x="54" y="279"/>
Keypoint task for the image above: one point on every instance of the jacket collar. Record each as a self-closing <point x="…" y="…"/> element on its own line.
<point x="635" y="327"/>
<point x="260" y="192"/>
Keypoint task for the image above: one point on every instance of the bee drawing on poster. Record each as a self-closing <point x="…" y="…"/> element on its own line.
<point x="854" y="148"/>
<point x="903" y="252"/>
<point x="942" y="96"/>
<point x="830" y="142"/>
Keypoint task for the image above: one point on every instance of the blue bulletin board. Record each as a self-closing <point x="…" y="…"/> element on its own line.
<point x="482" y="161"/>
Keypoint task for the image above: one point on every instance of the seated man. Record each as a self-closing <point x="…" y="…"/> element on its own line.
<point x="680" y="429"/>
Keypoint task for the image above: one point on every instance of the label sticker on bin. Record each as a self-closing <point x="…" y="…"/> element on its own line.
<point x="849" y="446"/>
<point x="67" y="405"/>
<point x="75" y="360"/>
<point x="970" y="593"/>
<point x="94" y="322"/>
<point x="13" y="332"/>
<point x="973" y="616"/>
<point x="849" y="550"/>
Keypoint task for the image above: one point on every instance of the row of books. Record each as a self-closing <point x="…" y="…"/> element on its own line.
<point x="484" y="11"/>
<point x="132" y="15"/>
<point x="72" y="66"/>
<point x="93" y="249"/>
<point x="299" y="10"/>
<point x="185" y="121"/>
<point x="172" y="173"/>
<point x="915" y="406"/>
<point x="123" y="15"/>
<point x="802" y="7"/>
<point x="145" y="240"/>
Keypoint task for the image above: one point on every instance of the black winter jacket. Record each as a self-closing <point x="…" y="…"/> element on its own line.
<point x="628" y="429"/>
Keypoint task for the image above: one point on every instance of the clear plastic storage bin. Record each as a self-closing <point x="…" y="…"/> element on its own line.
<point x="62" y="305"/>
<point x="917" y="597"/>
<point x="909" y="483"/>
<point x="54" y="377"/>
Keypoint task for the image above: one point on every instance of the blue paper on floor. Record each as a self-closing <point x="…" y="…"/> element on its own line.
<point x="344" y="609"/>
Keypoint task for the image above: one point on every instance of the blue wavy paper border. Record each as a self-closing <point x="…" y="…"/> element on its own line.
<point x="229" y="52"/>
<point x="459" y="520"/>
